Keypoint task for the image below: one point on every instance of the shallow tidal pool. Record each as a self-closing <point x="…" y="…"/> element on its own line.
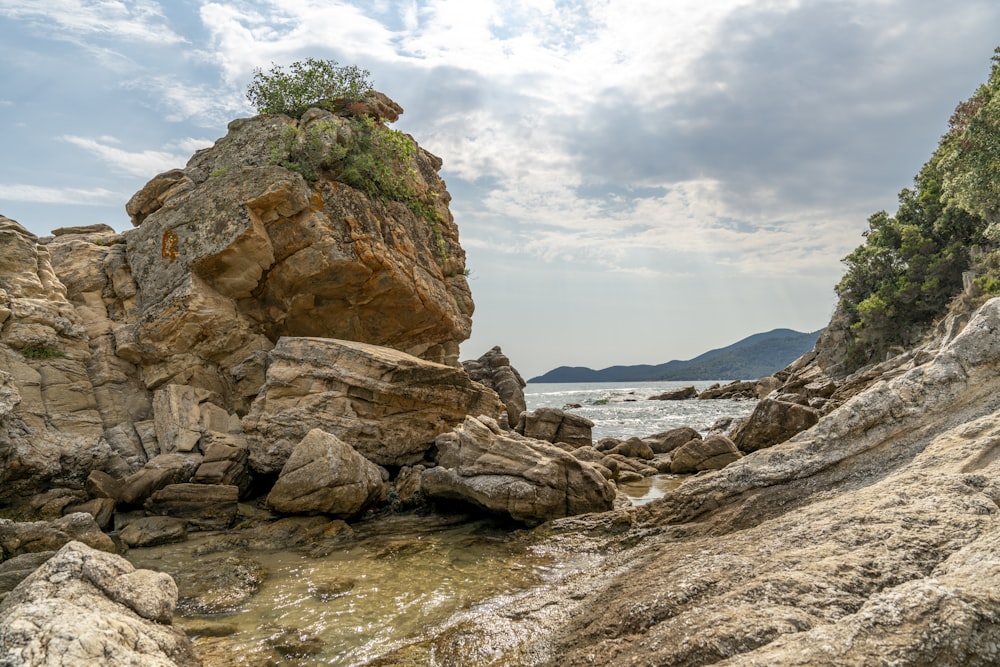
<point x="397" y="577"/>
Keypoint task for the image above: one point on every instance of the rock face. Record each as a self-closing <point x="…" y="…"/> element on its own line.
<point x="493" y="369"/>
<point x="245" y="243"/>
<point x="324" y="475"/>
<point x="528" y="480"/>
<point x="87" y="607"/>
<point x="386" y="404"/>
<point x="52" y="417"/>
<point x="870" y="538"/>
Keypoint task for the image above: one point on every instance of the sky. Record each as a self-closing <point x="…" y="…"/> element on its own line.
<point x="634" y="181"/>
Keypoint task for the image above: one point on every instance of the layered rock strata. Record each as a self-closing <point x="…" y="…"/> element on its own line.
<point x="869" y="538"/>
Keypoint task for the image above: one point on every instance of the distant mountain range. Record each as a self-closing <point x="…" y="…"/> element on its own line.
<point x="753" y="357"/>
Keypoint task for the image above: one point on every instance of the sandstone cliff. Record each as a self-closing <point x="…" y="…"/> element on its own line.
<point x="119" y="349"/>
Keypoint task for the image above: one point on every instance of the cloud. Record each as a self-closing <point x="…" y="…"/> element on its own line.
<point x="46" y="195"/>
<point x="131" y="20"/>
<point x="146" y="163"/>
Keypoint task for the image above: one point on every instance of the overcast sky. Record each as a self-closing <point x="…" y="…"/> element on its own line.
<point x="634" y="181"/>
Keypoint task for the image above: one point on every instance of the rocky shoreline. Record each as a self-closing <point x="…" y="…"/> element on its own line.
<point x="272" y="359"/>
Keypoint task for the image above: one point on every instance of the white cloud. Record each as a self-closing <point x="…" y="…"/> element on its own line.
<point x="46" y="195"/>
<point x="132" y="20"/>
<point x="146" y="163"/>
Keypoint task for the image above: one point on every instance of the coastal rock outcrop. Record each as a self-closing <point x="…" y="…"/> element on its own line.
<point x="494" y="370"/>
<point x="529" y="480"/>
<point x="869" y="538"/>
<point x="386" y="404"/>
<point x="556" y="426"/>
<point x="87" y="607"/>
<point x="51" y="422"/>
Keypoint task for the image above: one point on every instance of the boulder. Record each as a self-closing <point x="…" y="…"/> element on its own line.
<point x="102" y="509"/>
<point x="633" y="448"/>
<point x="528" y="480"/>
<point x="202" y="506"/>
<point x="324" y="475"/>
<point x="387" y="404"/>
<point x="772" y="422"/>
<point x="555" y="425"/>
<point x="493" y="370"/>
<point x="713" y="453"/>
<point x="676" y="395"/>
<point x="668" y="441"/>
<point x="87" y="607"/>
<point x="151" y="531"/>
<point x="18" y="538"/>
<point x="226" y="462"/>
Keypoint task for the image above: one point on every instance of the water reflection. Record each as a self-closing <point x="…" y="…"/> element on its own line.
<point x="649" y="489"/>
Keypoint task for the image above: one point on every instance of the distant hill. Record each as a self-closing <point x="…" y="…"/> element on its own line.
<point x="753" y="357"/>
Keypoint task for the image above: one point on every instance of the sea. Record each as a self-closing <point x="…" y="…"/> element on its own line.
<point x="624" y="409"/>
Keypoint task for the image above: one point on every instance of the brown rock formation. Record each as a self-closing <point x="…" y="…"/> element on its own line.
<point x="529" y="480"/>
<point x="493" y="369"/>
<point x="324" y="475"/>
<point x="556" y="426"/>
<point x="386" y="404"/>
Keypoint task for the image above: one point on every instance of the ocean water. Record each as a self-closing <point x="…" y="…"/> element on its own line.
<point x="623" y="409"/>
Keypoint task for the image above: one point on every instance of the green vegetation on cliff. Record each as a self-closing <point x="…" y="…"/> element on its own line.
<point x="362" y="153"/>
<point x="911" y="265"/>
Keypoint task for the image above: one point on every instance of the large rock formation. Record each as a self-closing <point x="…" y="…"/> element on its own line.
<point x="528" y="480"/>
<point x="119" y="349"/>
<point x="494" y="370"/>
<point x="386" y="404"/>
<point x="87" y="607"/>
<point x="870" y="538"/>
<point x="52" y="418"/>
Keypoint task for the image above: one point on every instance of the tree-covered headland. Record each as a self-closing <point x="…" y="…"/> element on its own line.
<point x="909" y="271"/>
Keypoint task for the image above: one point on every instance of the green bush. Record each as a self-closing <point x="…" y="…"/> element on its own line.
<point x="375" y="159"/>
<point x="41" y="352"/>
<point x="305" y="84"/>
